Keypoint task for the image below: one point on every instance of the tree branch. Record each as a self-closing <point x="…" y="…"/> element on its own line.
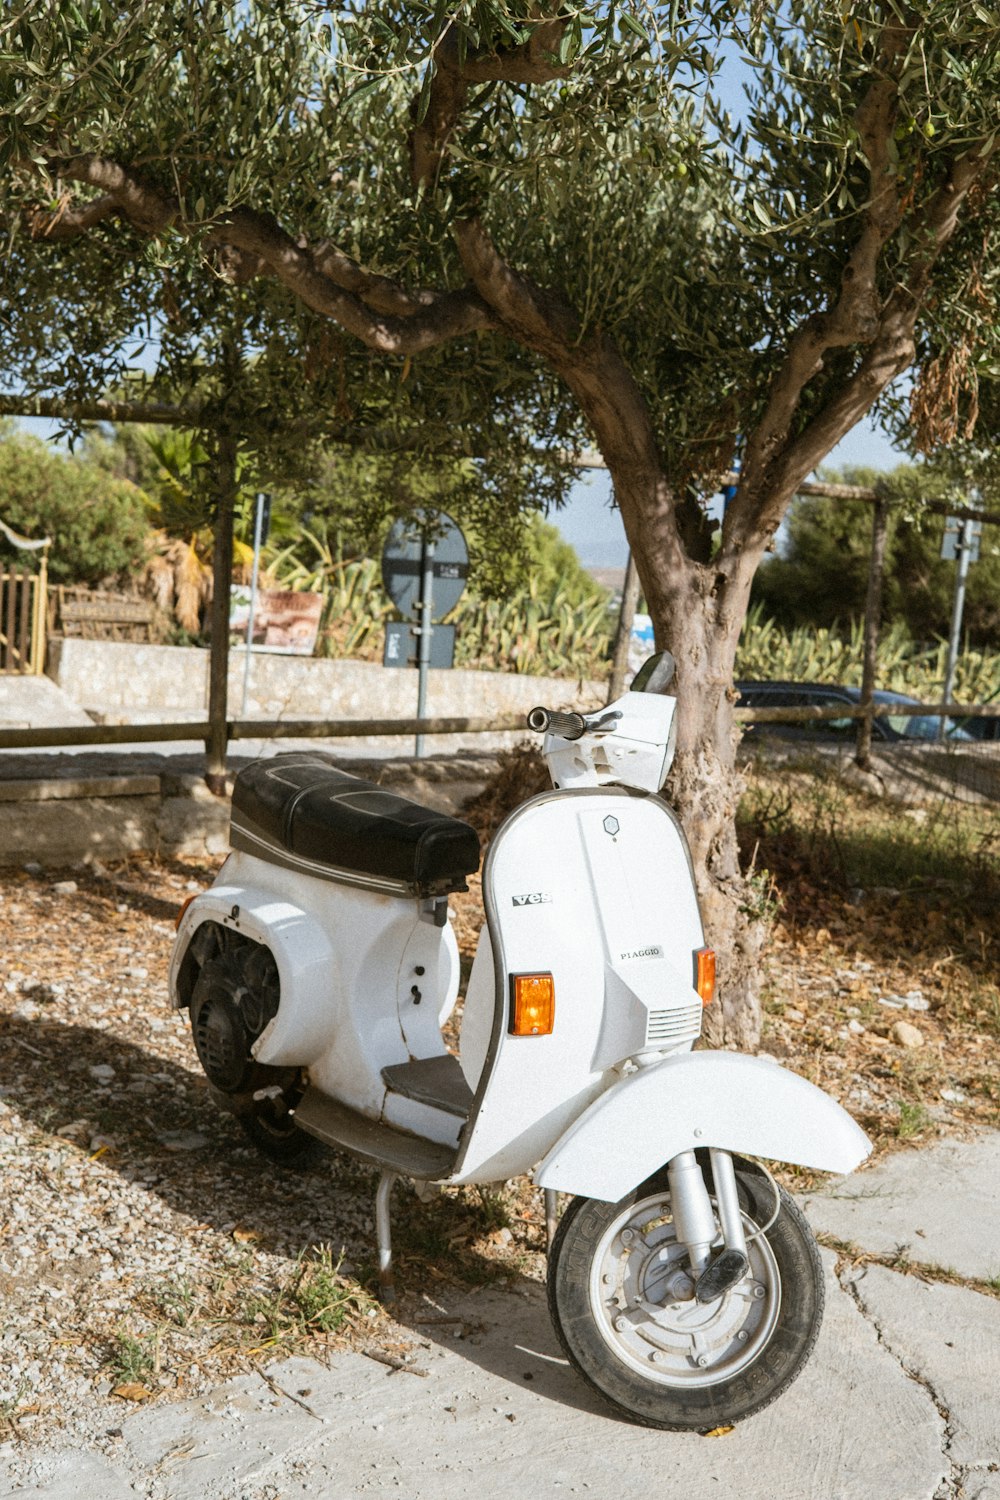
<point x="890" y="351"/>
<point x="773" y="465"/>
<point x="383" y="315"/>
<point x="534" y="61"/>
<point x="604" y="387"/>
<point x="72" y="219"/>
<point x="536" y="318"/>
<point x="854" y="317"/>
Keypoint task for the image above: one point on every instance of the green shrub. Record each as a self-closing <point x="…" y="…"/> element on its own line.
<point x="807" y="654"/>
<point x="97" y="523"/>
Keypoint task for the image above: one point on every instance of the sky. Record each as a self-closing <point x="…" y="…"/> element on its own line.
<point x="594" y="527"/>
<point x="592" y="524"/>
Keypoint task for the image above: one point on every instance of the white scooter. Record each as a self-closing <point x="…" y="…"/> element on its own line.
<point x="685" y="1286"/>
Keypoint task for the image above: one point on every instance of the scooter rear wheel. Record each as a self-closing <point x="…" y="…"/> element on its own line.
<point x="274" y="1132"/>
<point x="626" y="1316"/>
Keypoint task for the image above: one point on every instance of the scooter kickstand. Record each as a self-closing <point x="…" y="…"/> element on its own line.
<point x="551" y="1216"/>
<point x="383" y="1231"/>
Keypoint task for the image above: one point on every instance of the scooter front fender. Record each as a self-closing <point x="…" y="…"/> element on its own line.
<point x="746" y="1105"/>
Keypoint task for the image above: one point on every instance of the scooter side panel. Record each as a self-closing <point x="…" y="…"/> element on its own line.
<point x="742" y="1104"/>
<point x="577" y="884"/>
<point x="347" y="962"/>
<point x="301" y="951"/>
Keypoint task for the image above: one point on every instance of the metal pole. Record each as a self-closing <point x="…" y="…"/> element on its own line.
<point x="258" y="526"/>
<point x="873" y="617"/>
<point x="424" y="644"/>
<point x="964" y="549"/>
<point x="623" y="635"/>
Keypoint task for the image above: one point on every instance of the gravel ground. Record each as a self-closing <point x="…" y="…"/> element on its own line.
<point x="145" y="1250"/>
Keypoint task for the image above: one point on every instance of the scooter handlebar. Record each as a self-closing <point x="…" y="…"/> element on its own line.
<point x="569" y="726"/>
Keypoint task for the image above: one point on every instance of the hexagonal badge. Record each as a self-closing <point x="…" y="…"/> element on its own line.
<point x="611" y="826"/>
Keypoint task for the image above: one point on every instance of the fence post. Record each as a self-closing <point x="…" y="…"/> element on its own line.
<point x="873" y="617"/>
<point x="39" y="629"/>
<point x="222" y="575"/>
<point x="623" y="635"/>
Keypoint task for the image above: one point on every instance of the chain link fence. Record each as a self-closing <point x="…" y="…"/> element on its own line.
<point x="962" y="763"/>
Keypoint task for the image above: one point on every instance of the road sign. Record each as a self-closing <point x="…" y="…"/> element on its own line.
<point x="961" y="535"/>
<point x="404" y="559"/>
<point x="402" y="644"/>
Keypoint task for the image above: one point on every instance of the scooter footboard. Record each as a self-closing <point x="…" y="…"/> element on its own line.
<point x="746" y="1105"/>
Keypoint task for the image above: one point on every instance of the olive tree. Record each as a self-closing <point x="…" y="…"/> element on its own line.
<point x="534" y="224"/>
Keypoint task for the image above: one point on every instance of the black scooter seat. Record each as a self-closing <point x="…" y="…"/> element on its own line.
<point x="301" y="811"/>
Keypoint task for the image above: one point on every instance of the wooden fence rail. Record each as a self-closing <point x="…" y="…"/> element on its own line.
<point x="252" y="729"/>
<point x="266" y="729"/>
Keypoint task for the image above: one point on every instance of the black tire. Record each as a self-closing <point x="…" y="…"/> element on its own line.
<point x="275" y="1134"/>
<point x="754" y="1342"/>
<point x="232" y="1000"/>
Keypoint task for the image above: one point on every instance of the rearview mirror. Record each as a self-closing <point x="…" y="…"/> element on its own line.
<point x="655" y="675"/>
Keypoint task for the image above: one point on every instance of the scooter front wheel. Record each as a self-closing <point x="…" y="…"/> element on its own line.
<point x="625" y="1311"/>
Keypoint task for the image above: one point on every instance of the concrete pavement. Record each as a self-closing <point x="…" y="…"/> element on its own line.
<point x="899" y="1401"/>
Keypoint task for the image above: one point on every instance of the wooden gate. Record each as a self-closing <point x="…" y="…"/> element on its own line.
<point x="23" y="619"/>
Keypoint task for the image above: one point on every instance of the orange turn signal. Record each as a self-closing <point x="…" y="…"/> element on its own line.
<point x="183" y="908"/>
<point x="704" y="974"/>
<point x="532" y="1004"/>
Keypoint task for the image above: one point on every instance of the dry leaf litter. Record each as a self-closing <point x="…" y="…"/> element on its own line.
<point x="147" y="1251"/>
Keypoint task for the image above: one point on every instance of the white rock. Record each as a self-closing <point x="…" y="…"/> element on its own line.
<point x="905" y="1035"/>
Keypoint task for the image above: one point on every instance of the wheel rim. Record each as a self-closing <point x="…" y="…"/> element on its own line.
<point x="644" y="1305"/>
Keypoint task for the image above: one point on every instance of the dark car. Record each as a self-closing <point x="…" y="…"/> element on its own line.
<point x="893" y="728"/>
<point x="982" y="729"/>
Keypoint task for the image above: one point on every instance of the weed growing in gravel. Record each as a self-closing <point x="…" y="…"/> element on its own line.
<point x="314" y="1299"/>
<point x="494" y="1211"/>
<point x="9" y="1406"/>
<point x="176" y="1299"/>
<point x="131" y="1360"/>
<point x="986" y="1001"/>
<point x="913" y="1120"/>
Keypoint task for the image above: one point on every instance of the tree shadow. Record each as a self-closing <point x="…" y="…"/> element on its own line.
<point x="168" y="1134"/>
<point x="165" y="1130"/>
<point x="116" y="885"/>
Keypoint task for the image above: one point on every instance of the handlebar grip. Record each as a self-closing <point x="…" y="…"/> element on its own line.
<point x="569" y="726"/>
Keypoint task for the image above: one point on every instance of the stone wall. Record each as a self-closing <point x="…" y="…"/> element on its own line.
<point x="121" y="683"/>
<point x="68" y="810"/>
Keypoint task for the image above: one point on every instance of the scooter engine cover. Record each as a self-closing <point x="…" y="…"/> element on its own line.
<point x="305" y="808"/>
<point x="221" y="1038"/>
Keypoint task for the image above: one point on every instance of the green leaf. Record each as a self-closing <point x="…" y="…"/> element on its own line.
<point x="628" y="22"/>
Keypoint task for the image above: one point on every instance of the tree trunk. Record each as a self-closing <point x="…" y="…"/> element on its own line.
<point x="697" y="614"/>
<point x="705" y="787"/>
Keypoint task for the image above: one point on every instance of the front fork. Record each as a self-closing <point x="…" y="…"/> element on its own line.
<point x="695" y="1222"/>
